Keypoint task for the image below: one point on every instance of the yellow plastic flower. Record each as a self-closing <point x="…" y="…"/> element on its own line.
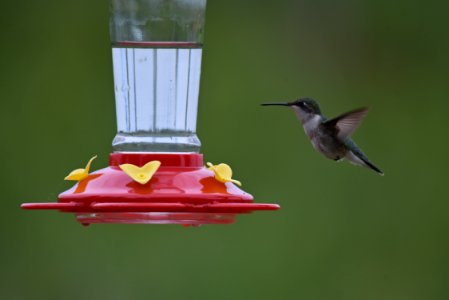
<point x="141" y="175"/>
<point x="80" y="174"/>
<point x="223" y="173"/>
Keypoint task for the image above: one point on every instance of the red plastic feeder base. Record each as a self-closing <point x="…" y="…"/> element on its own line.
<point x="182" y="191"/>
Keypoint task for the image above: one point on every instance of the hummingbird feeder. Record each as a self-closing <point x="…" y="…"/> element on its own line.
<point x="156" y="174"/>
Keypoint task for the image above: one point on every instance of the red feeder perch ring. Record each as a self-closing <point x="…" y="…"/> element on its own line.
<point x="182" y="191"/>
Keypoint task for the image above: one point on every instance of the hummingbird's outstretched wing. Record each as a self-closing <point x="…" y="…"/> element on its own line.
<point x="347" y="123"/>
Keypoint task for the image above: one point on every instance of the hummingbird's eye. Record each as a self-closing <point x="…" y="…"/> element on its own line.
<point x="304" y="106"/>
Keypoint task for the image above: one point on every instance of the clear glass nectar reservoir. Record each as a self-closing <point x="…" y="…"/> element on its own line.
<point x="157" y="20"/>
<point x="157" y="50"/>
<point x="156" y="95"/>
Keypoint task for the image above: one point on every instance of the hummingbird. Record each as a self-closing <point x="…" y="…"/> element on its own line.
<point x="332" y="137"/>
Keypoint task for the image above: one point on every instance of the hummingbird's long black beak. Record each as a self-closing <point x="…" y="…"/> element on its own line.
<point x="276" y="103"/>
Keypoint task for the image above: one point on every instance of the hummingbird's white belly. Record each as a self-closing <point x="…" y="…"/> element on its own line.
<point x="317" y="140"/>
<point x="322" y="141"/>
<point x="323" y="148"/>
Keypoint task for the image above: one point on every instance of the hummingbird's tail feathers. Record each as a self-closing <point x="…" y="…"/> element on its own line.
<point x="373" y="167"/>
<point x="357" y="157"/>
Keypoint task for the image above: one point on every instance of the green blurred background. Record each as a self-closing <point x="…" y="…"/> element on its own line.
<point x="343" y="232"/>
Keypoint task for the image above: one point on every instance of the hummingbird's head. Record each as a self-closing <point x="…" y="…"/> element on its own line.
<point x="305" y="108"/>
